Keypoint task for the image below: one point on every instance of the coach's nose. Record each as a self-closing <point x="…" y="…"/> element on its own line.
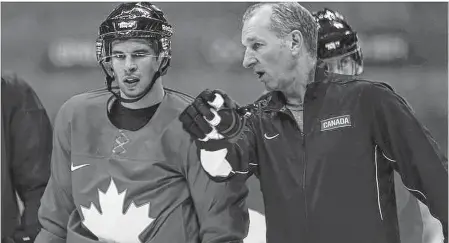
<point x="249" y="59"/>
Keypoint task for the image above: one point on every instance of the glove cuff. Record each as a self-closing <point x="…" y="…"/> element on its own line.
<point x="237" y="130"/>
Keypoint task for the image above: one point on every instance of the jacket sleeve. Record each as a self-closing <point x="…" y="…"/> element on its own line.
<point x="31" y="142"/>
<point x="57" y="202"/>
<point x="221" y="207"/>
<point x="409" y="146"/>
<point x="237" y="158"/>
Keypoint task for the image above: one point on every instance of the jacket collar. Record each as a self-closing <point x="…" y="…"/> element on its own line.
<point x="276" y="100"/>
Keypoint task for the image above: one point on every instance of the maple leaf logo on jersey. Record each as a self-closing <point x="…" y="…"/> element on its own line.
<point x="112" y="225"/>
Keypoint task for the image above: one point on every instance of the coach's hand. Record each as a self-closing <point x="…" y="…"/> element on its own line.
<point x="214" y="123"/>
<point x="212" y="116"/>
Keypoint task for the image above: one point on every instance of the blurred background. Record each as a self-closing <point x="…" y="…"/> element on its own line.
<point x="52" y="46"/>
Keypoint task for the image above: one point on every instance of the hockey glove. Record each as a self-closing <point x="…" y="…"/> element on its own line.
<point x="212" y="116"/>
<point x="214" y="123"/>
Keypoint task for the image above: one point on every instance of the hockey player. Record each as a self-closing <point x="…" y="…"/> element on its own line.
<point x="123" y="170"/>
<point x="334" y="27"/>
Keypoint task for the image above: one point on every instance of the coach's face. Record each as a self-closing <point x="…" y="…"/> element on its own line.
<point x="266" y="53"/>
<point x="134" y="63"/>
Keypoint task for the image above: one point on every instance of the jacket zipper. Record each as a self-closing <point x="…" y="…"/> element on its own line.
<point x="303" y="134"/>
<point x="304" y="137"/>
<point x="304" y="172"/>
<point x="303" y="144"/>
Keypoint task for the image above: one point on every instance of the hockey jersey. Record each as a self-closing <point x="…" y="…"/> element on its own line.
<point x="122" y="186"/>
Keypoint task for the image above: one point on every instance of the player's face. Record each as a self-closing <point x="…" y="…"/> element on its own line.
<point x="266" y="53"/>
<point x="343" y="65"/>
<point x="134" y="63"/>
<point x="349" y="64"/>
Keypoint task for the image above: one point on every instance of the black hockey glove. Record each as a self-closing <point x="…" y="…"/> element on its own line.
<point x="213" y="115"/>
<point x="214" y="122"/>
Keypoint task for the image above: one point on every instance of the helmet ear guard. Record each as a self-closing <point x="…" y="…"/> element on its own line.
<point x="165" y="53"/>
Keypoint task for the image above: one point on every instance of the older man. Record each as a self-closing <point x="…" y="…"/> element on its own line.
<point x="324" y="147"/>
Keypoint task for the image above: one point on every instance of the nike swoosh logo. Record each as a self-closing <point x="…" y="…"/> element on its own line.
<point x="75" y="167"/>
<point x="268" y="137"/>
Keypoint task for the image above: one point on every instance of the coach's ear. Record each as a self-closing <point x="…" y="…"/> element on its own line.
<point x="296" y="42"/>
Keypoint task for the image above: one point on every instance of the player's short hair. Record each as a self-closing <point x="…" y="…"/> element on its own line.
<point x="289" y="16"/>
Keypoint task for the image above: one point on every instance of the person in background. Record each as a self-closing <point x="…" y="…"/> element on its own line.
<point x="334" y="27"/>
<point x="26" y="151"/>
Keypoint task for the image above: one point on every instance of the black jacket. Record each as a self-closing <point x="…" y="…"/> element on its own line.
<point x="334" y="181"/>
<point x="26" y="150"/>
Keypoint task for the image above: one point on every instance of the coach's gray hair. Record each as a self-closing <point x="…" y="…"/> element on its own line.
<point x="289" y="16"/>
